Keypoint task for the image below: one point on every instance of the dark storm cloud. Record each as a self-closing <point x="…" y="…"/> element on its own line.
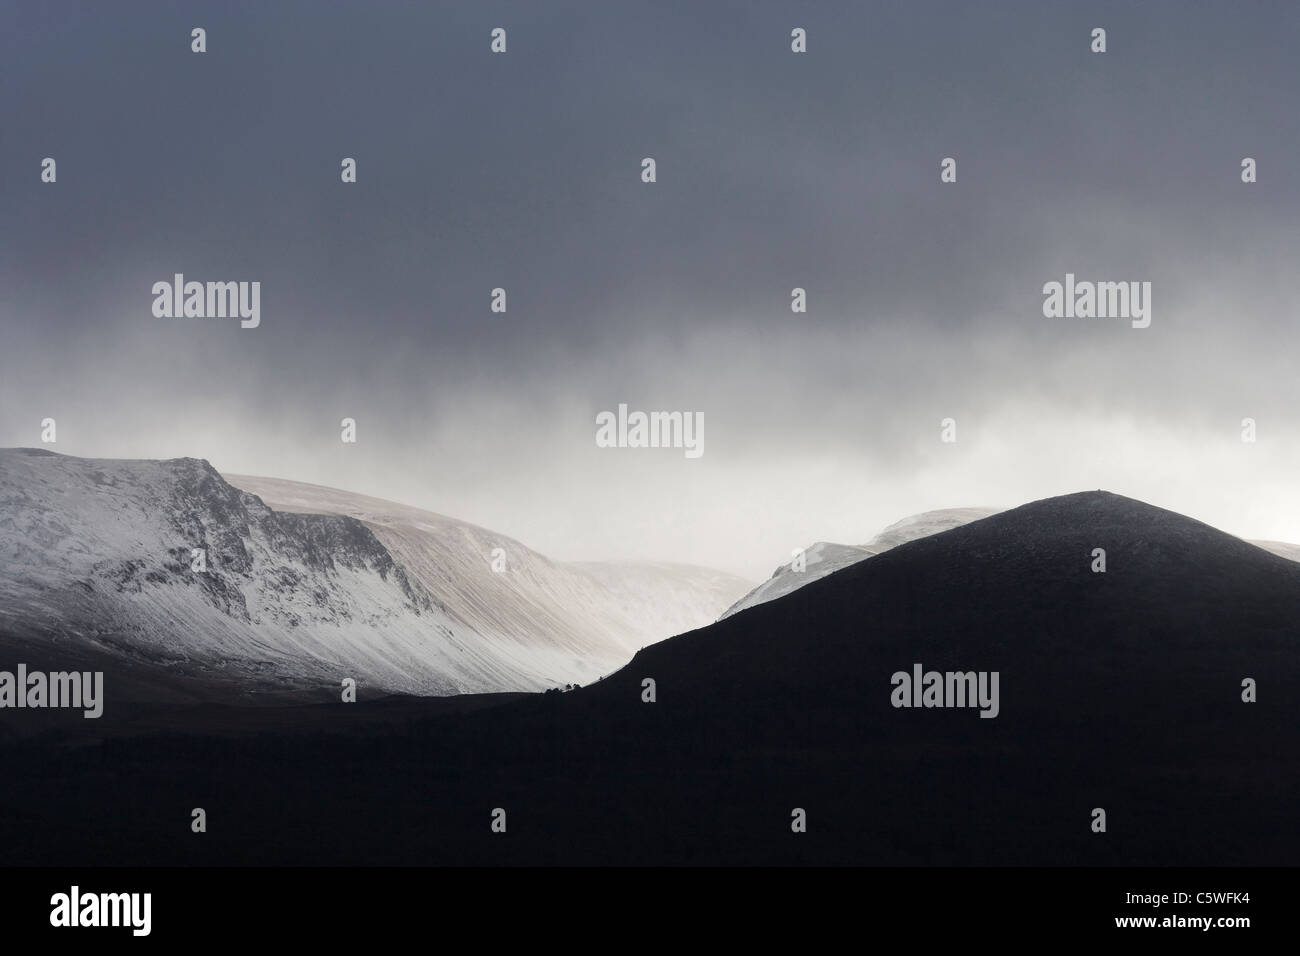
<point x="775" y="170"/>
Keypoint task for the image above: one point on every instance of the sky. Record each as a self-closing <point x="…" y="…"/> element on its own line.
<point x="774" y="170"/>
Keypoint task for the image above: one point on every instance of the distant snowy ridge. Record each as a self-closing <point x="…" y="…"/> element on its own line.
<point x="825" y="558"/>
<point x="925" y="524"/>
<point x="820" y="559"/>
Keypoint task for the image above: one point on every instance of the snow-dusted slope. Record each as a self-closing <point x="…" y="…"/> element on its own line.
<point x="825" y="558"/>
<point x="95" y="559"/>
<point x="617" y="608"/>
<point x="925" y="524"/>
<point x="820" y="559"/>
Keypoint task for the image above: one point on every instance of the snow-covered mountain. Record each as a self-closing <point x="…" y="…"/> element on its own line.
<point x="97" y="560"/>
<point x="825" y="558"/>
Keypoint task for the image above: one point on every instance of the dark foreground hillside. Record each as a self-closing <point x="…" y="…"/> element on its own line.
<point x="1119" y="690"/>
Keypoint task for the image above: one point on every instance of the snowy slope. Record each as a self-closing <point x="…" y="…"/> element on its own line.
<point x="825" y="558"/>
<point x="820" y="559"/>
<point x="95" y="559"/>
<point x="925" y="524"/>
<point x="616" y="608"/>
